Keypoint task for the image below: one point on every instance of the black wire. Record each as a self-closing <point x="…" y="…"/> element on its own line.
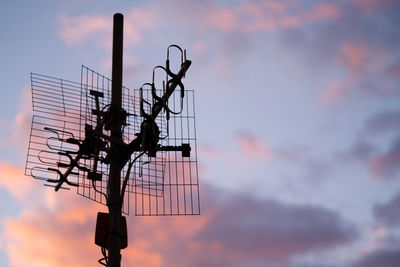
<point x="98" y="191"/>
<point x="127" y="176"/>
<point x="103" y="261"/>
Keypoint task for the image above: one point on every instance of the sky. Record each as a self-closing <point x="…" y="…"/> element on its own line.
<point x="298" y="130"/>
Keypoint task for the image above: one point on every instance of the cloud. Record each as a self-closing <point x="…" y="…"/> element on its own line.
<point x="98" y="28"/>
<point x="388" y="213"/>
<point x="41" y="238"/>
<point x="385" y="121"/>
<point x="20" y="127"/>
<point x="380" y="258"/>
<point x="360" y="61"/>
<point x="353" y="57"/>
<point x="247" y="17"/>
<point x="367" y="70"/>
<point x="253" y="147"/>
<point x="15" y="182"/>
<point x="370" y="5"/>
<point x="368" y="149"/>
<point x="233" y="230"/>
<point x="361" y="150"/>
<point x="211" y="152"/>
<point x="253" y="17"/>
<point x="76" y="29"/>
<point x="264" y="231"/>
<point x="387" y="165"/>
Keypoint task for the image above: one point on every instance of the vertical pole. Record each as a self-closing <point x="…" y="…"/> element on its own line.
<point x="113" y="189"/>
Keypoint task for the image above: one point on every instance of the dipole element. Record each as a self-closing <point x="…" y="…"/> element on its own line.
<point x="113" y="189"/>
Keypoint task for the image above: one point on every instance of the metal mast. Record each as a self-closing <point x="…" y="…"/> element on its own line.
<point x="113" y="188"/>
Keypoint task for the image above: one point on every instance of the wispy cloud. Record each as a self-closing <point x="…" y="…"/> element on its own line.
<point x="386" y="165"/>
<point x="253" y="147"/>
<point x="75" y="30"/>
<point x="17" y="139"/>
<point x="370" y="5"/>
<point x="252" y="17"/>
<point x="354" y="57"/>
<point x="97" y="28"/>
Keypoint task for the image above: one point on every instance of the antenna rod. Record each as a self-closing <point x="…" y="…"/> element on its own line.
<point x="113" y="188"/>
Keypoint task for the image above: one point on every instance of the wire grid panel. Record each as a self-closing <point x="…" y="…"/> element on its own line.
<point x="93" y="81"/>
<point x="168" y="184"/>
<point x="56" y="119"/>
<point x="163" y="185"/>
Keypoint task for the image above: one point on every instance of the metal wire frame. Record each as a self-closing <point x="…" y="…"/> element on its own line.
<point x="169" y="184"/>
<point x="163" y="185"/>
<point x="55" y="103"/>
<point x="93" y="81"/>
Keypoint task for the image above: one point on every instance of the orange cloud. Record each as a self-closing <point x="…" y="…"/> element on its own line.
<point x="15" y="182"/>
<point x="232" y="231"/>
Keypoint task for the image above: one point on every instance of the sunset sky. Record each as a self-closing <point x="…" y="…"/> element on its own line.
<point x="298" y="130"/>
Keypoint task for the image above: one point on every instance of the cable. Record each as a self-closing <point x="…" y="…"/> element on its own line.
<point x="103" y="261"/>
<point x="127" y="175"/>
<point x="98" y="191"/>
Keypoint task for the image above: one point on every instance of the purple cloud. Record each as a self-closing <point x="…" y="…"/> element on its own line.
<point x="251" y="231"/>
<point x="388" y="213"/>
<point x="380" y="258"/>
<point x="384" y="122"/>
<point x="387" y="165"/>
<point x="382" y="163"/>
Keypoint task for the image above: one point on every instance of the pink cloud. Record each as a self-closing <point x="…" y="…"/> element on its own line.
<point x="210" y="151"/>
<point x="261" y="16"/>
<point x="385" y="166"/>
<point x="370" y="5"/>
<point x="75" y="30"/>
<point x="354" y="58"/>
<point x="199" y="46"/>
<point x="20" y="128"/>
<point x="15" y="182"/>
<point x="253" y="147"/>
<point x="325" y="11"/>
<point x="337" y="90"/>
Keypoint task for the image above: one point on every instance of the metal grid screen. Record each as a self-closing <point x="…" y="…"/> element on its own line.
<point x="166" y="184"/>
<point x="93" y="81"/>
<point x="176" y="191"/>
<point x="56" y="106"/>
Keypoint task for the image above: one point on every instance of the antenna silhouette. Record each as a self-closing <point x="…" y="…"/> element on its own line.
<point x="110" y="142"/>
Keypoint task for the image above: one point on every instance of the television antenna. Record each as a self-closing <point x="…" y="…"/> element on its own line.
<point x="111" y="143"/>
